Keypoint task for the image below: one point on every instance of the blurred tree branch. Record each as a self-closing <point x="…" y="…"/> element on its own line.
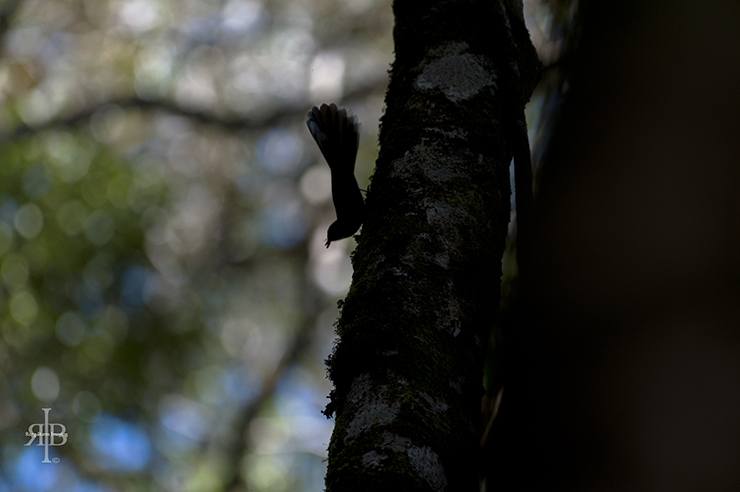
<point x="235" y="448"/>
<point x="7" y="13"/>
<point x="238" y="447"/>
<point x="224" y="121"/>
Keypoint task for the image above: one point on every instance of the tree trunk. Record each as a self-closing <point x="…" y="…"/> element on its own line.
<point x="408" y="365"/>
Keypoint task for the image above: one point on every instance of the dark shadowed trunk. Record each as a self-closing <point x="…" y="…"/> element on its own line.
<point x="408" y="366"/>
<point x="627" y="373"/>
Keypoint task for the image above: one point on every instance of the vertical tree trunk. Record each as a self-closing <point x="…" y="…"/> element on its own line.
<point x="408" y="366"/>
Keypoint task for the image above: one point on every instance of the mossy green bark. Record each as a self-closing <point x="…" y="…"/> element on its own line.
<point x="408" y="365"/>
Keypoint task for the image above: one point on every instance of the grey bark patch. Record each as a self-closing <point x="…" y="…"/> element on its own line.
<point x="439" y="213"/>
<point x="395" y="443"/>
<point x="442" y="259"/>
<point x="373" y="409"/>
<point x="453" y="134"/>
<point x="423" y="460"/>
<point x="426" y="464"/>
<point x="372" y="459"/>
<point x="432" y="159"/>
<point x="448" y="220"/>
<point x="452" y="316"/>
<point x="437" y="406"/>
<point x="458" y="75"/>
<point x="361" y="386"/>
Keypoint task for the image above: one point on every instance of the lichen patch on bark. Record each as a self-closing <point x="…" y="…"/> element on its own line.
<point x="429" y="159"/>
<point x="425" y="462"/>
<point x="434" y="404"/>
<point x="459" y="75"/>
<point x="375" y="410"/>
<point x="373" y="459"/>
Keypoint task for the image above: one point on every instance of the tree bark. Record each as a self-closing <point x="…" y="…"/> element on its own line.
<point x="407" y="368"/>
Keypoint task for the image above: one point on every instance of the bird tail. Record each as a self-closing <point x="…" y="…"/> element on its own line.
<point x="336" y="134"/>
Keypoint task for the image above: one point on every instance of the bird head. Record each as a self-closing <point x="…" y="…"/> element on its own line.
<point x="333" y="234"/>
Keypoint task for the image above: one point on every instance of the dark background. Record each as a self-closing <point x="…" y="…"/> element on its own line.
<point x="626" y="367"/>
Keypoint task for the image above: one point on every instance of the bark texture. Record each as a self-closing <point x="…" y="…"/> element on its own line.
<point x="408" y="365"/>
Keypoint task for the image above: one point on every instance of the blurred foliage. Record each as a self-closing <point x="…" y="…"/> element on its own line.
<point x="163" y="284"/>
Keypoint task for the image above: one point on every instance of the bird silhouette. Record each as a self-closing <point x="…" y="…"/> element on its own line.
<point x="335" y="132"/>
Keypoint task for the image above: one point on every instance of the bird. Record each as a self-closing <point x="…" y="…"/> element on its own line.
<point x="336" y="133"/>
